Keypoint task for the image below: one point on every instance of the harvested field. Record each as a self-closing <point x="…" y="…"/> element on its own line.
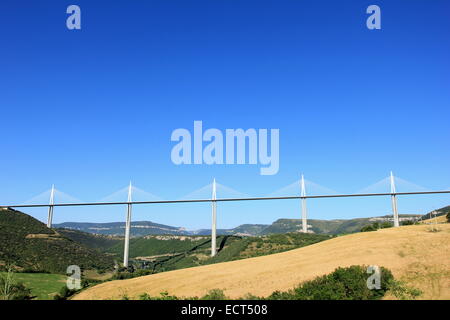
<point x="414" y="254"/>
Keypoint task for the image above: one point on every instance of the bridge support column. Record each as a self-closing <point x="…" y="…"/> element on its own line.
<point x="394" y="202"/>
<point x="214" y="220"/>
<point x="304" y="212"/>
<point x="50" y="207"/>
<point x="127" y="230"/>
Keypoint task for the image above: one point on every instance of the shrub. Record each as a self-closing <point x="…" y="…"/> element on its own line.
<point x="64" y="293"/>
<point x="215" y="294"/>
<point x="162" y="296"/>
<point x="403" y="292"/>
<point x="12" y="290"/>
<point x="145" y="296"/>
<point x="375" y="226"/>
<point x="385" y="225"/>
<point x="342" y="284"/>
<point x="448" y="217"/>
<point x="250" y="296"/>
<point x="121" y="275"/>
<point x="368" y="228"/>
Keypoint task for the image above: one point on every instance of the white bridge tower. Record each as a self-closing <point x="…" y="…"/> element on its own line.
<point x="214" y="220"/>
<point x="394" y="201"/>
<point x="304" y="212"/>
<point x="127" y="229"/>
<point x="50" y="207"/>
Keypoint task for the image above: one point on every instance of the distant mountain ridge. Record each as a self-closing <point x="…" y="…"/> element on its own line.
<point x="138" y="228"/>
<point x="143" y="228"/>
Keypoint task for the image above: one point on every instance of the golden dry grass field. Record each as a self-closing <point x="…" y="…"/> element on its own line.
<point x="414" y="254"/>
<point x="440" y="219"/>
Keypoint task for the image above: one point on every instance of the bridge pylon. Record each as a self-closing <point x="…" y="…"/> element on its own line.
<point x="127" y="228"/>
<point x="50" y="207"/>
<point x="394" y="201"/>
<point x="304" y="211"/>
<point x="214" y="219"/>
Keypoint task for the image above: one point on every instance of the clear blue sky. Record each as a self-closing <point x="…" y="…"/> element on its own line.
<point x="90" y="109"/>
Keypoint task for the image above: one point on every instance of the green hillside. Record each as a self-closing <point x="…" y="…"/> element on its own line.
<point x="28" y="245"/>
<point x="90" y="240"/>
<point x="160" y="245"/>
<point x="156" y="256"/>
<point x="336" y="227"/>
<point x="249" y="247"/>
<point x="436" y="213"/>
<point x="250" y="229"/>
<point x="317" y="226"/>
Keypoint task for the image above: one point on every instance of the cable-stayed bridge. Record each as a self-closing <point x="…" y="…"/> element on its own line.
<point x="209" y="194"/>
